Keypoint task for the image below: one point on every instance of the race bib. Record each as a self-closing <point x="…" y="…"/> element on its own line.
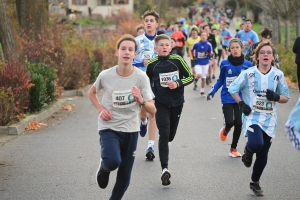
<point x="123" y="99"/>
<point x="229" y="80"/>
<point x="246" y="44"/>
<point x="171" y="76"/>
<point x="147" y="54"/>
<point x="201" y="55"/>
<point x="262" y="104"/>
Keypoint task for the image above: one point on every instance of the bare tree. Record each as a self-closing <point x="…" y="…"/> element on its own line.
<point x="271" y="19"/>
<point x="295" y="5"/>
<point x="283" y="9"/>
<point x="7" y="38"/>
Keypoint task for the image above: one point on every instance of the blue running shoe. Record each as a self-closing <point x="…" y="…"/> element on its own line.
<point x="143" y="129"/>
<point x="150" y="154"/>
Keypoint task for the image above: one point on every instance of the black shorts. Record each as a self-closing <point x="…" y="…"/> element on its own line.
<point x="192" y="63"/>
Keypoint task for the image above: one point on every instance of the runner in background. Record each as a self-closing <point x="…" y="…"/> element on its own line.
<point x="226" y="36"/>
<point x="202" y="52"/>
<point x="212" y="40"/>
<point x="230" y="70"/>
<point x="247" y="36"/>
<point x="145" y="51"/>
<point x="179" y="37"/>
<point x="266" y="35"/>
<point x="262" y="86"/>
<point x="175" y="49"/>
<point x="189" y="45"/>
<point x="140" y="29"/>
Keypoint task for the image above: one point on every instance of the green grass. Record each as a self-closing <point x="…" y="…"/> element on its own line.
<point x="93" y="22"/>
<point x="258" y="27"/>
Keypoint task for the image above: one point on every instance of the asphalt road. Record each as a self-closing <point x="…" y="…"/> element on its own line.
<point x="60" y="161"/>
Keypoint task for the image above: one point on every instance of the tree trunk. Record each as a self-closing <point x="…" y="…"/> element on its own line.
<point x="7" y="38"/>
<point x="297" y="13"/>
<point x="287" y="33"/>
<point x="32" y="15"/>
<point x="278" y="30"/>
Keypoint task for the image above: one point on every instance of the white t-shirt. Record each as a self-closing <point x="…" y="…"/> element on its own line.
<point x="117" y="98"/>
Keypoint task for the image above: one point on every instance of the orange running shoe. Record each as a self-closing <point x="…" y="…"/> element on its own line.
<point x="234" y="153"/>
<point x="223" y="134"/>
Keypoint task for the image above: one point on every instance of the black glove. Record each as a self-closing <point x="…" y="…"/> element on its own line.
<point x="210" y="95"/>
<point x="272" y="96"/>
<point x="245" y="108"/>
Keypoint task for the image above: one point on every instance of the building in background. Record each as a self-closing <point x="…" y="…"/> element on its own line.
<point x="99" y="7"/>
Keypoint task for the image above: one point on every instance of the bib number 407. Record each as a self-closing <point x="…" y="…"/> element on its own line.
<point x="120" y="98"/>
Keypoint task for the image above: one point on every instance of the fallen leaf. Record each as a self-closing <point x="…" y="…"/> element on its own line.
<point x="34" y="125"/>
<point x="67" y="107"/>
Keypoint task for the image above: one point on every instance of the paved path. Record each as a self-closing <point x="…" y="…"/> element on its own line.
<point x="60" y="160"/>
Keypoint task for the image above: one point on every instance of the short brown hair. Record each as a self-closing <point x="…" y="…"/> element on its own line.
<point x="161" y="37"/>
<point x="258" y="48"/>
<point x="248" y="20"/>
<point x="237" y="41"/>
<point x="139" y="27"/>
<point x="152" y="13"/>
<point x="127" y="37"/>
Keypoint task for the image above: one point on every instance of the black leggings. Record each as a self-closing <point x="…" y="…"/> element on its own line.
<point x="233" y="117"/>
<point x="167" y="120"/>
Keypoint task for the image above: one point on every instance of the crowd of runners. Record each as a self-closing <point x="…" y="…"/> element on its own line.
<point x="144" y="92"/>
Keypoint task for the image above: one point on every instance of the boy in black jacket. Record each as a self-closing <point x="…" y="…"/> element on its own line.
<point x="168" y="74"/>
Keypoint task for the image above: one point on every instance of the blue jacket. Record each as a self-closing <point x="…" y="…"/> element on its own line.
<point x="228" y="73"/>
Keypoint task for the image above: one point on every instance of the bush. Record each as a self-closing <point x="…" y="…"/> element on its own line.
<point x="15" y="77"/>
<point x="95" y="70"/>
<point x="49" y="77"/>
<point x="287" y="62"/>
<point x="7" y="104"/>
<point x="14" y="92"/>
<point x="37" y="93"/>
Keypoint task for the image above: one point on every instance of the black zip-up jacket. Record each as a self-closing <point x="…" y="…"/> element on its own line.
<point x="296" y="50"/>
<point x="167" y="64"/>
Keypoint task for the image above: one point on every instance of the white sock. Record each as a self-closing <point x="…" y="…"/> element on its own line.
<point x="202" y="90"/>
<point x="145" y="122"/>
<point x="150" y="143"/>
<point x="165" y="169"/>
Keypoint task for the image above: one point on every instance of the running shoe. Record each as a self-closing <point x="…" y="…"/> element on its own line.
<point x="234" y="153"/>
<point x="256" y="189"/>
<point x="223" y="134"/>
<point x="102" y="176"/>
<point x="150" y="154"/>
<point x="213" y="76"/>
<point x="195" y="87"/>
<point x="165" y="177"/>
<point x="247" y="158"/>
<point x="143" y="129"/>
<point x="202" y="94"/>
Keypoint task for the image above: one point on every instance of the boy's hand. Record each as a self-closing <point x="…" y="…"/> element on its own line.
<point x="105" y="115"/>
<point x="172" y="85"/>
<point x="146" y="62"/>
<point x="136" y="92"/>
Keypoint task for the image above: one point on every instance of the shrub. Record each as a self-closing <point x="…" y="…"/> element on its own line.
<point x="15" y="77"/>
<point x="96" y="62"/>
<point x="287" y="62"/>
<point x="49" y="77"/>
<point x="7" y="104"/>
<point x="37" y="93"/>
